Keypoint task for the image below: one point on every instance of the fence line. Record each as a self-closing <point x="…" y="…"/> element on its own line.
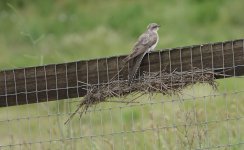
<point x="61" y="81"/>
<point x="195" y="117"/>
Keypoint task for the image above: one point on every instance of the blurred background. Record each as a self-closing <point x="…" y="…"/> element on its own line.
<point x="45" y="32"/>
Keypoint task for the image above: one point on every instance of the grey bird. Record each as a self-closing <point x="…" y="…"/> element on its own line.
<point x="145" y="43"/>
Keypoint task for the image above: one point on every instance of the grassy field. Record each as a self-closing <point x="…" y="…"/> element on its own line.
<point x="42" y="32"/>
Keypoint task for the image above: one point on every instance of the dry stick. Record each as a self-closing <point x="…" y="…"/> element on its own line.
<point x="73" y="114"/>
<point x="121" y="102"/>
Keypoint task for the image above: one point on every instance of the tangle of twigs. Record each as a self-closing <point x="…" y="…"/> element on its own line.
<point x="153" y="82"/>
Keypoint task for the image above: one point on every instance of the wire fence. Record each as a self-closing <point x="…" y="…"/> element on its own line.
<point x="196" y="117"/>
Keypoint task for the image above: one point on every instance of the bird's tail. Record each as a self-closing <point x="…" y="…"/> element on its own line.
<point x="135" y="67"/>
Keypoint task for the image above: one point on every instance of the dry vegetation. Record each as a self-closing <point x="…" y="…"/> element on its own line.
<point x="148" y="83"/>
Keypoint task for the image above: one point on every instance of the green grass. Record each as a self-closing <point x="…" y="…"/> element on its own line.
<point x="43" y="32"/>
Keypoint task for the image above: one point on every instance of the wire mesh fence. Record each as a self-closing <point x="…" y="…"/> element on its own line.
<point x="197" y="116"/>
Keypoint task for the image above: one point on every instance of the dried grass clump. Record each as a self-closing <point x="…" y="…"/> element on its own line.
<point x="153" y="82"/>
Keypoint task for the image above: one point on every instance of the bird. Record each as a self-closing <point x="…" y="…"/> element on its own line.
<point x="145" y="43"/>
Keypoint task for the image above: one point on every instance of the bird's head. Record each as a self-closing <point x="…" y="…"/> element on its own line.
<point x="153" y="27"/>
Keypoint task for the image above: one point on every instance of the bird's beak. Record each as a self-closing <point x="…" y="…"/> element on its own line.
<point x="158" y="26"/>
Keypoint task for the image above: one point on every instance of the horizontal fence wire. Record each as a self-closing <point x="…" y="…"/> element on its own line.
<point x="198" y="117"/>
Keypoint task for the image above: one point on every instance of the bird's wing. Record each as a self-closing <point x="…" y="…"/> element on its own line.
<point x="144" y="42"/>
<point x="143" y="39"/>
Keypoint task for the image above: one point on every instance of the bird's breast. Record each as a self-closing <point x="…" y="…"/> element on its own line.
<point x="154" y="45"/>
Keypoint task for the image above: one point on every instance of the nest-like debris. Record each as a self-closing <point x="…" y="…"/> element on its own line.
<point x="153" y="82"/>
